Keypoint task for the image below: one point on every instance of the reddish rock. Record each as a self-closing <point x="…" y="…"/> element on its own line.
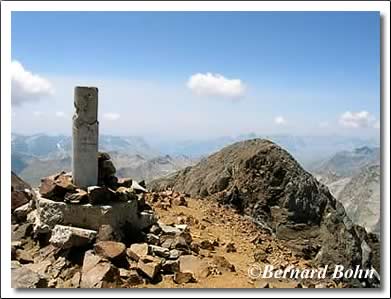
<point x="150" y="266"/>
<point x="19" y="198"/>
<point x="137" y="251"/>
<point x="110" y="249"/>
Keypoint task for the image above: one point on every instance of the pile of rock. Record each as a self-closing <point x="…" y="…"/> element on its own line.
<point x="168" y="198"/>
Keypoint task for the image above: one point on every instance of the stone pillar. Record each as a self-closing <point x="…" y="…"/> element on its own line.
<point x="85" y="137"/>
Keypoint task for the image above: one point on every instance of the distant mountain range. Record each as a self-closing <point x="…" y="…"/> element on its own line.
<point x="353" y="177"/>
<point x="34" y="156"/>
<point x="37" y="156"/>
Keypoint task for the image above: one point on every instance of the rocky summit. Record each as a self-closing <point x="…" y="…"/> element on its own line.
<point x="260" y="179"/>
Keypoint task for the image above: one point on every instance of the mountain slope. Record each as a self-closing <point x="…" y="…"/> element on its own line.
<point x="262" y="180"/>
<point x="361" y="198"/>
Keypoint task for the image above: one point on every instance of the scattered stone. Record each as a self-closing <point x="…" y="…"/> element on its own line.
<point x="230" y="247"/>
<point x="19" y="198"/>
<point x="194" y="265"/>
<point x="14" y="246"/>
<point x="152" y="239"/>
<point x="22" y="211"/>
<point x="97" y="273"/>
<point x="207" y="244"/>
<point x="55" y="187"/>
<point x="40" y="267"/>
<point x="155" y="229"/>
<point x="180" y="201"/>
<point x="125" y="194"/>
<point x="175" y="254"/>
<point x="66" y="237"/>
<point x="24" y="278"/>
<point x="183" y="277"/>
<point x="106" y="232"/>
<point x="75" y="281"/>
<point x="179" y="243"/>
<point x="125" y="182"/>
<point x="195" y="247"/>
<point x="222" y="264"/>
<point x="138" y="188"/>
<point x="21" y="232"/>
<point x="100" y="195"/>
<point x="15" y="265"/>
<point x="150" y="266"/>
<point x="80" y="196"/>
<point x="23" y="256"/>
<point x="131" y="276"/>
<point x="170" y="267"/>
<point x="160" y="251"/>
<point x="110" y="249"/>
<point x="137" y="251"/>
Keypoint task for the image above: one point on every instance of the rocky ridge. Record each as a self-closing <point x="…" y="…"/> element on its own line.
<point x="262" y="180"/>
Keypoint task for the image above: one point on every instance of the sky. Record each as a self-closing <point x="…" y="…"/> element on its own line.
<point x="196" y="75"/>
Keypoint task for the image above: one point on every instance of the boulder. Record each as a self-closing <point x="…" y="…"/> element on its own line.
<point x="137" y="251"/>
<point x="23" y="278"/>
<point x="98" y="273"/>
<point x="55" y="187"/>
<point x="192" y="264"/>
<point x="149" y="265"/>
<point x="110" y="249"/>
<point x="66" y="237"/>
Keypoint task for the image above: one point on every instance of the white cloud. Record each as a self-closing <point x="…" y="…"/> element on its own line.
<point x="362" y="119"/>
<point x="377" y="124"/>
<point x="26" y="86"/>
<point x="60" y="114"/>
<point x="280" y="120"/>
<point x="111" y="116"/>
<point x="37" y="113"/>
<point x="216" y="85"/>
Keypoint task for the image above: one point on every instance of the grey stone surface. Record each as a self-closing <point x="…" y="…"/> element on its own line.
<point x="85" y="137"/>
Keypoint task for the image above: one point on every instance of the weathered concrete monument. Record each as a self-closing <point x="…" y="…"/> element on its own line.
<point x="85" y="137"/>
<point x="90" y="196"/>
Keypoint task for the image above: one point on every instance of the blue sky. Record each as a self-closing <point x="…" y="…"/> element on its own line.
<point x="200" y="74"/>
